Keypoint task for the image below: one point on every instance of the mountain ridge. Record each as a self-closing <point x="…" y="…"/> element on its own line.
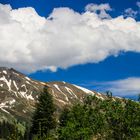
<point x="19" y="94"/>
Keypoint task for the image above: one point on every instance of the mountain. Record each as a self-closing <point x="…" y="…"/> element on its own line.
<point x="19" y="94"/>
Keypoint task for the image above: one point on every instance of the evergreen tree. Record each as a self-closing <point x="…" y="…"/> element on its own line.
<point x="139" y="97"/>
<point x="64" y="116"/>
<point x="43" y="120"/>
<point x="10" y="131"/>
<point x="81" y="122"/>
<point x="27" y="133"/>
<point x="101" y="119"/>
<point x="109" y="94"/>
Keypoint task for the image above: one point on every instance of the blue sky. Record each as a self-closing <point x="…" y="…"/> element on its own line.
<point x="111" y="72"/>
<point x="45" y="7"/>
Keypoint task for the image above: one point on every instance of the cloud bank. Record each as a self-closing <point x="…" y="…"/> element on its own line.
<point x="138" y="4"/>
<point x="130" y="13"/>
<point x="66" y="38"/>
<point x="101" y="9"/>
<point x="124" y="87"/>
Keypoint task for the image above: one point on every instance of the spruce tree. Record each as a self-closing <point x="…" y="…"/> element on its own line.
<point x="109" y="94"/>
<point x="139" y="97"/>
<point x="43" y="120"/>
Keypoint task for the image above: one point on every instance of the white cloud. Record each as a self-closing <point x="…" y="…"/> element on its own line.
<point x="29" y="42"/>
<point x="102" y="9"/>
<point x="138" y="4"/>
<point x="130" y="13"/>
<point x="123" y="87"/>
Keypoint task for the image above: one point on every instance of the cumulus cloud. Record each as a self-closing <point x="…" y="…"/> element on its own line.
<point x="130" y="13"/>
<point x="66" y="38"/>
<point x="101" y="9"/>
<point x="123" y="87"/>
<point x="138" y="4"/>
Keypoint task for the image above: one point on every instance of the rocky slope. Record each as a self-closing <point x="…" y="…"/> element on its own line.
<point x="18" y="94"/>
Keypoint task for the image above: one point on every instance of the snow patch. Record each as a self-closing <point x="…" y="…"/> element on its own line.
<point x="53" y="93"/>
<point x="59" y="100"/>
<point x="28" y="82"/>
<point x="85" y="90"/>
<point x="28" y="78"/>
<point x="99" y="94"/>
<point x="16" y="73"/>
<point x="43" y="83"/>
<point x="15" y="93"/>
<point x="24" y="95"/>
<point x="7" y="82"/>
<point x="118" y="97"/>
<point x="24" y="111"/>
<point x="15" y="85"/>
<point x="30" y="97"/>
<point x="4" y="110"/>
<point x="12" y="101"/>
<point x="35" y="82"/>
<point x="1" y="85"/>
<point x="4" y="71"/>
<point x="57" y="87"/>
<point x="62" y="101"/>
<point x="70" y="91"/>
<point x="101" y="98"/>
<point x="3" y="105"/>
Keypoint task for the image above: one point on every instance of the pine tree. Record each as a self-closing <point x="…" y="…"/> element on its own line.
<point x="43" y="120"/>
<point x="101" y="119"/>
<point x="139" y="97"/>
<point x="109" y="94"/>
<point x="81" y="122"/>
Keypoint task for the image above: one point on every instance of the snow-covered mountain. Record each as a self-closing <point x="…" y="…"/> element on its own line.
<point x="18" y="94"/>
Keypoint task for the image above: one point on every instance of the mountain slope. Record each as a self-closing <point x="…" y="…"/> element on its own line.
<point x="18" y="94"/>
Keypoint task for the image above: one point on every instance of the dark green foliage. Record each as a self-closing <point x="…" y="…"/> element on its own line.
<point x="122" y="119"/>
<point x="27" y="133"/>
<point x="75" y="125"/>
<point x="10" y="131"/>
<point x="43" y="119"/>
<point x="110" y="119"/>
<point x="80" y="122"/>
<point x="101" y="119"/>
<point x="132" y="119"/>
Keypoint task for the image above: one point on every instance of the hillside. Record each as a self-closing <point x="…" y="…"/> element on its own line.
<point x="18" y="94"/>
<point x="97" y="116"/>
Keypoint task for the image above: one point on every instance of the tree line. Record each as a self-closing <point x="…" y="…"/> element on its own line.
<point x="94" y="119"/>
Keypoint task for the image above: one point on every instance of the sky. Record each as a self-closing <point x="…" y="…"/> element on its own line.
<point x="91" y="43"/>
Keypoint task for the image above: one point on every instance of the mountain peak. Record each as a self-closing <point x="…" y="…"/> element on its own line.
<point x="19" y="94"/>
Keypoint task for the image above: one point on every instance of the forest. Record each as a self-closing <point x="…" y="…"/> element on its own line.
<point x="93" y="119"/>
